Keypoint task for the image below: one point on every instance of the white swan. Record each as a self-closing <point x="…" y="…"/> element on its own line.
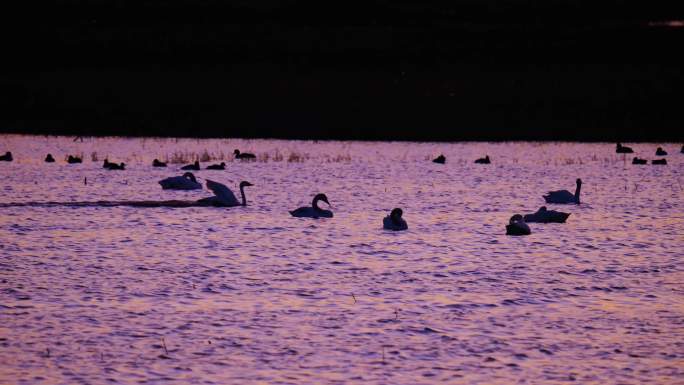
<point x="223" y="197"/>
<point x="546" y="216"/>
<point x="314" y="211"/>
<point x="186" y="181"/>
<point x="394" y="221"/>
<point x="517" y="226"/>
<point x="564" y="196"/>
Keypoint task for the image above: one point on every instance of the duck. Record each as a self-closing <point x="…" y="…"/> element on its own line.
<point x="620" y="149"/>
<point x="661" y="152"/>
<point x="564" y="196"/>
<point x="639" y="161"/>
<point x="517" y="226"/>
<point x="186" y="181"/>
<point x="546" y="216"/>
<point x="394" y="221"/>
<point x="158" y="163"/>
<point x="106" y="163"/>
<point x="659" y="161"/>
<point x="221" y="166"/>
<point x="314" y="211"/>
<point x="7" y="157"/>
<point x="49" y="159"/>
<point x="114" y="166"/>
<point x="74" y="159"/>
<point x="440" y="159"/>
<point x="195" y="166"/>
<point x="243" y="155"/>
<point x="223" y="197"/>
<point x="484" y="160"/>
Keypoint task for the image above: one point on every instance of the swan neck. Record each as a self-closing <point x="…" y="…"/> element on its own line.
<point x="577" y="193"/>
<point x="242" y="192"/>
<point x="314" y="204"/>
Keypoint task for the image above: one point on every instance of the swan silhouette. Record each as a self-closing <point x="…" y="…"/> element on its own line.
<point x="221" y="166"/>
<point x="158" y="163"/>
<point x="195" y="166"/>
<point x="114" y="166"/>
<point x="636" y="160"/>
<point x="74" y="159"/>
<point x="49" y="158"/>
<point x="661" y="152"/>
<point x="440" y="159"/>
<point x="186" y="181"/>
<point x="243" y="155"/>
<point x="546" y="216"/>
<point x="223" y="197"/>
<point x="484" y="160"/>
<point x="314" y="211"/>
<point x="517" y="226"/>
<point x="564" y="196"/>
<point x="620" y="149"/>
<point x="7" y="157"/>
<point x="659" y="161"/>
<point x="394" y="221"/>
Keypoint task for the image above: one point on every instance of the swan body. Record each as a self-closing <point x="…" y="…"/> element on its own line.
<point x="7" y="157"/>
<point x="639" y="161"/>
<point x="517" y="226"/>
<point x="620" y="149"/>
<point x="245" y="155"/>
<point x="221" y="166"/>
<point x="49" y="159"/>
<point x="158" y="163"/>
<point x="73" y="159"/>
<point x="195" y="166"/>
<point x="186" y="181"/>
<point x="661" y="152"/>
<point x="394" y="221"/>
<point x="659" y="161"/>
<point x="223" y="197"/>
<point x="484" y="160"/>
<point x="546" y="216"/>
<point x="314" y="211"/>
<point x="440" y="159"/>
<point x="564" y="196"/>
<point x="114" y="166"/>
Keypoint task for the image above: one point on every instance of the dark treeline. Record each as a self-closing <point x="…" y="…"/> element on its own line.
<point x="428" y="70"/>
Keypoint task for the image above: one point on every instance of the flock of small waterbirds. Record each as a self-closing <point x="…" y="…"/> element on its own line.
<point x="224" y="197"/>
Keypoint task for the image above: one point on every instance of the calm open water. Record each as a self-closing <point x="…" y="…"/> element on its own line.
<point x="246" y="295"/>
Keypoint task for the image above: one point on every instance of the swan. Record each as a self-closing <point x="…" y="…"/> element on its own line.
<point x="484" y="160"/>
<point x="114" y="166"/>
<point x="517" y="226"/>
<point x="49" y="158"/>
<point x="620" y="149"/>
<point x="7" y="157"/>
<point x="546" y="216"/>
<point x="186" y="181"/>
<point x="564" y="196"/>
<point x="659" y="161"/>
<point x="195" y="166"/>
<point x="74" y="159"/>
<point x="394" y="221"/>
<point x="440" y="159"/>
<point x="157" y="163"/>
<point x="661" y="152"/>
<point x="639" y="161"/>
<point x="223" y="197"/>
<point x="245" y="155"/>
<point x="314" y="211"/>
<point x="221" y="166"/>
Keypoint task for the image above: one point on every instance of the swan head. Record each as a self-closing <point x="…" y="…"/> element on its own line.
<point x="396" y="214"/>
<point x="516" y="218"/>
<point x="579" y="181"/>
<point x="321" y="197"/>
<point x="236" y="152"/>
<point x="245" y="184"/>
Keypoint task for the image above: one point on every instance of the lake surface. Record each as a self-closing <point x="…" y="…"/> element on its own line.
<point x="246" y="295"/>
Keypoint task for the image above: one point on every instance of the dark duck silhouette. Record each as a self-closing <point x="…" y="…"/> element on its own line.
<point x="74" y="159"/>
<point x="661" y="152"/>
<point x="636" y="160"/>
<point x="394" y="221"/>
<point x="195" y="166"/>
<point x="7" y="157"/>
<point x="484" y="160"/>
<point x="49" y="159"/>
<point x="620" y="149"/>
<point x="564" y="196"/>
<point x="158" y="163"/>
<point x="221" y="166"/>
<point x="243" y="155"/>
<point x="659" y="161"/>
<point x="440" y="159"/>
<point x="314" y="211"/>
<point x="517" y="226"/>
<point x="546" y="216"/>
<point x="114" y="166"/>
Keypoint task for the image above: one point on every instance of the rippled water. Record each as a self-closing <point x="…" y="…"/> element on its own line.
<point x="251" y="295"/>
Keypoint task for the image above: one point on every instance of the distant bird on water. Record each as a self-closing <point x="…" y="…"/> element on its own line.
<point x="243" y="155"/>
<point x="223" y="197"/>
<point x="484" y="160"/>
<point x="620" y="149"/>
<point x="682" y="150"/>
<point x="440" y="159"/>
<point x="636" y="160"/>
<point x="564" y="196"/>
<point x="221" y="166"/>
<point x="546" y="216"/>
<point x="158" y="163"/>
<point x="49" y="159"/>
<point x="394" y="221"/>
<point x="186" y="181"/>
<point x="314" y="211"/>
<point x="7" y="157"/>
<point x="661" y="152"/>
<point x="517" y="226"/>
<point x="659" y="161"/>
<point x="106" y="163"/>
<point x="114" y="166"/>
<point x="74" y="159"/>
<point x="195" y="166"/>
